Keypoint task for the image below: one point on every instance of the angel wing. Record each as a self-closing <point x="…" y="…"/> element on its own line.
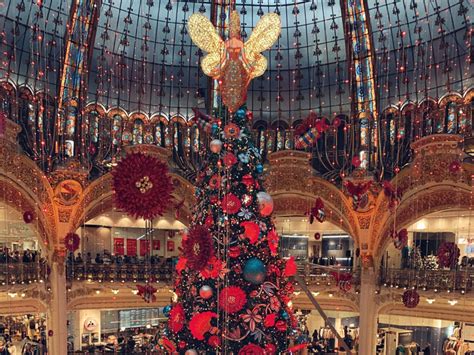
<point x="205" y="36"/>
<point x="264" y="35"/>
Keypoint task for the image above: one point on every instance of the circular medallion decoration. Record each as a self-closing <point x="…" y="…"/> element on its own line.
<point x="28" y="216"/>
<point x="90" y="324"/>
<point x="68" y="192"/>
<point x="411" y="298"/>
<point x="142" y="186"/>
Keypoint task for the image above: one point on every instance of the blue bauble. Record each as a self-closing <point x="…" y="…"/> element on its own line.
<point x="167" y="310"/>
<point x="284" y="315"/>
<point x="255" y="271"/>
<point x="241" y="113"/>
<point x="214" y="128"/>
<point x="259" y="168"/>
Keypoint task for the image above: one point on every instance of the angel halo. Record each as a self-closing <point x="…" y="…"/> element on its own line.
<point x="232" y="62"/>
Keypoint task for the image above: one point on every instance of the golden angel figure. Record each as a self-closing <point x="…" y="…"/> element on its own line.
<point x="232" y="62"/>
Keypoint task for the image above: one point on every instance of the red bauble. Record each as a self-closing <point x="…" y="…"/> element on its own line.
<point x="336" y="122"/>
<point x="232" y="299"/>
<point x="182" y="344"/>
<point x="71" y="242"/>
<point x="234" y="252"/>
<point x="252" y="231"/>
<point x="200" y="324"/>
<point x="50" y="333"/>
<point x="209" y="221"/>
<point x="248" y="180"/>
<point x="249" y="115"/>
<point x="317" y="236"/>
<point x="448" y="255"/>
<point x="176" y="318"/>
<point x="198" y="248"/>
<point x="142" y="186"/>
<point x="411" y="298"/>
<point x="252" y="349"/>
<point x="270" y="349"/>
<point x="214" y="341"/>
<point x="28" y="216"/>
<point x="231" y="204"/>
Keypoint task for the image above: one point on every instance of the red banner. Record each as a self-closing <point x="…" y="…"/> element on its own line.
<point x="170" y="245"/>
<point x="144" y="247"/>
<point x="131" y="247"/>
<point x="119" y="246"/>
<point x="156" y="245"/>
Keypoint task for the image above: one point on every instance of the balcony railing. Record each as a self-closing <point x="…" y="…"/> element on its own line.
<point x="434" y="280"/>
<point x="23" y="273"/>
<point x="120" y="273"/>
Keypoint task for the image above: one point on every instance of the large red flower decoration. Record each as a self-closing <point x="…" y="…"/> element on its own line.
<point x="147" y="292"/>
<point x="213" y="269"/>
<point x="290" y="267"/>
<point x="251" y="349"/>
<point x="231" y="204"/>
<point x="142" y="186"/>
<point x="448" y="255"/>
<point x="200" y="324"/>
<point x="232" y="299"/>
<point x="197" y="248"/>
<point x="72" y="242"/>
<point x="272" y="239"/>
<point x="252" y="231"/>
<point x="176" y="318"/>
<point x="229" y="159"/>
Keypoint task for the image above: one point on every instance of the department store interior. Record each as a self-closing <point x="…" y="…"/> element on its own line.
<point x="236" y="177"/>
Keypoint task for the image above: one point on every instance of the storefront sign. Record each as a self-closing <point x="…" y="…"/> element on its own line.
<point x="119" y="246"/>
<point x="131" y="247"/>
<point x="156" y="245"/>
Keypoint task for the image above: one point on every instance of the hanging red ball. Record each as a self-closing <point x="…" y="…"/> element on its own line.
<point x="317" y="236"/>
<point x="336" y="122"/>
<point x="92" y="149"/>
<point x="356" y="161"/>
<point x="28" y="216"/>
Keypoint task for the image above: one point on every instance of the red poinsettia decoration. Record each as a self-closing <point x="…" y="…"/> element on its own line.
<point x="142" y="186"/>
<point x="343" y="280"/>
<point x="252" y="231"/>
<point x="357" y="190"/>
<point x="71" y="242"/>
<point x="200" y="324"/>
<point x="231" y="130"/>
<point x="176" y="318"/>
<point x="411" y="298"/>
<point x="215" y="181"/>
<point x="147" y="292"/>
<point x="213" y="269"/>
<point x="231" y="204"/>
<point x="448" y="255"/>
<point x="181" y="264"/>
<point x="290" y="267"/>
<point x="229" y="159"/>
<point x="197" y="248"/>
<point x="252" y="349"/>
<point x="270" y="320"/>
<point x="317" y="211"/>
<point x="394" y="195"/>
<point x="232" y="299"/>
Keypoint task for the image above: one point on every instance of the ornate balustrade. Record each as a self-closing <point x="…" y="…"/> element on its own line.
<point x="23" y="273"/>
<point x="119" y="273"/>
<point x="429" y="280"/>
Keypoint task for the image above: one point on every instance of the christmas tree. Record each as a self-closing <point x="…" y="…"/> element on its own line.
<point x="232" y="287"/>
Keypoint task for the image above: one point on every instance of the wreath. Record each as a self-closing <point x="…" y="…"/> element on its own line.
<point x="448" y="255"/>
<point x="411" y="298"/>
<point x="142" y="186"/>
<point x="72" y="241"/>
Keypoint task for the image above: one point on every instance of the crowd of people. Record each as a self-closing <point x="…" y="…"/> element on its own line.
<point x="16" y="256"/>
<point x="107" y="258"/>
<point x="23" y="335"/>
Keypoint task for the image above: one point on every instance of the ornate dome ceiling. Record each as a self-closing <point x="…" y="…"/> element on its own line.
<point x="137" y="54"/>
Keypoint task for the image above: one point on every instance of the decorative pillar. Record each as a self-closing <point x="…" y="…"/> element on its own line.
<point x="58" y="307"/>
<point x="368" y="312"/>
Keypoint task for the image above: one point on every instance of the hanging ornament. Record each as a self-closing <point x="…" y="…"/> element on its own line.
<point x="216" y="146"/>
<point x="197" y="247"/>
<point x="357" y="191"/>
<point x="265" y="203"/>
<point x="400" y="239"/>
<point x="167" y="310"/>
<point x="147" y="292"/>
<point x="455" y="167"/>
<point x="356" y="161"/>
<point x="394" y="195"/>
<point x="72" y="242"/>
<point x="254" y="271"/>
<point x="142" y="186"/>
<point x="448" y="255"/>
<point x="28" y="216"/>
<point x="205" y="292"/>
<point x="317" y="211"/>
<point x="411" y="298"/>
<point x="317" y="236"/>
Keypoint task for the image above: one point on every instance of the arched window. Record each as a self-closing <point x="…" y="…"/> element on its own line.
<point x="116" y="130"/>
<point x="451" y="117"/>
<point x="93" y="118"/>
<point x="137" y="132"/>
<point x="159" y="134"/>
